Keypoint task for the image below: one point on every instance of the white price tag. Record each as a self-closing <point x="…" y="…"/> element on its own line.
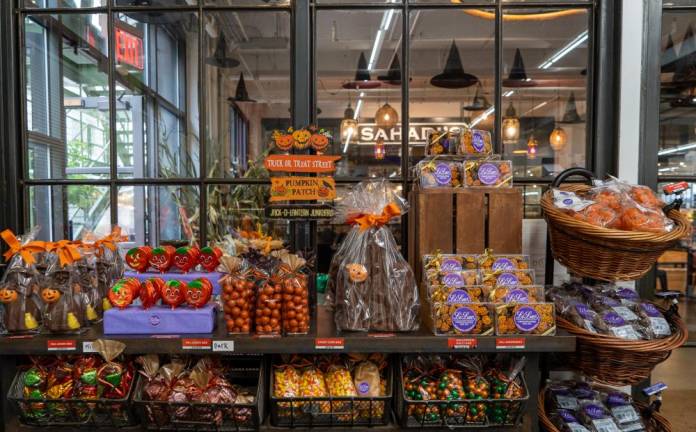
<point x="223" y="346"/>
<point x="625" y="332"/>
<point x="576" y="427"/>
<point x="625" y="414"/>
<point x="660" y="326"/>
<point x="567" y="402"/>
<point x="605" y="425"/>
<point x="625" y="313"/>
<point x="88" y="347"/>
<point x="633" y="427"/>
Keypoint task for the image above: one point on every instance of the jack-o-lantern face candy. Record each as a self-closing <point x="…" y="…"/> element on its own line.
<point x="150" y="292"/>
<point x="357" y="273"/>
<point x="162" y="258"/>
<point x="186" y="258"/>
<point x="198" y="292"/>
<point x="8" y="295"/>
<point x="121" y="295"/>
<point x="173" y="293"/>
<point x="210" y="258"/>
<point x="138" y="258"/>
<point x="50" y="295"/>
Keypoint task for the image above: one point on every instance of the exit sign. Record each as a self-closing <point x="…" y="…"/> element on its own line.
<point x="129" y="49"/>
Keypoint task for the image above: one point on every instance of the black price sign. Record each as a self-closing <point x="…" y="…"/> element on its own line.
<point x="300" y="211"/>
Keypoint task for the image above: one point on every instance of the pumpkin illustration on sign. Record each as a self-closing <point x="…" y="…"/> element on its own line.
<point x="319" y="141"/>
<point x="301" y="137"/>
<point x="121" y="295"/>
<point x="173" y="293"/>
<point x="283" y="141"/>
<point x="198" y="292"/>
<point x="162" y="258"/>
<point x="210" y="258"/>
<point x="138" y="258"/>
<point x="8" y="295"/>
<point x="151" y="291"/>
<point x="186" y="257"/>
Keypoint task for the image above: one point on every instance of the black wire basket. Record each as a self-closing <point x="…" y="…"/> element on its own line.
<point x="246" y="372"/>
<point x="73" y="412"/>
<point x="455" y="414"/>
<point x="326" y="412"/>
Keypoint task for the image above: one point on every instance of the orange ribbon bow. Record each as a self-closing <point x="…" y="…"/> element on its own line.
<point x="367" y="220"/>
<point x="110" y="240"/>
<point x="26" y="251"/>
<point x="66" y="250"/>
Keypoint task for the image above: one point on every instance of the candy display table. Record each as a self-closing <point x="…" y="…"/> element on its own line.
<point x="159" y="320"/>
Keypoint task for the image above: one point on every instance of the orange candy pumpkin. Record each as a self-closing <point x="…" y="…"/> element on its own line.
<point x="8" y="295"/>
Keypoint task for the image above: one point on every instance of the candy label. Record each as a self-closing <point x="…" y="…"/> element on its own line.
<point x="507" y="279"/>
<point x="583" y="311"/>
<point x="503" y="264"/>
<point x="517" y="296"/>
<point x="613" y="319"/>
<point x="650" y="310"/>
<point x="608" y="301"/>
<point x="594" y="411"/>
<point x="527" y="319"/>
<point x="458" y="297"/>
<point x="567" y="402"/>
<point x="488" y="173"/>
<point x="628" y="294"/>
<point x="363" y="387"/>
<point x="567" y="415"/>
<point x="464" y="319"/>
<point x="625" y="332"/>
<point x="605" y="425"/>
<point x="154" y="320"/>
<point x="625" y="414"/>
<point x="223" y="346"/>
<point x="453" y="280"/>
<point x="450" y="265"/>
<point x="577" y="427"/>
<point x="660" y="326"/>
<point x="443" y="174"/>
<point x="477" y="141"/>
<point x="88" y="347"/>
<point x="625" y="313"/>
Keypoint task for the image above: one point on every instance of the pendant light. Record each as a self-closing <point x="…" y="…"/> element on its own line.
<point x="518" y="75"/>
<point x="511" y="125"/>
<point x="362" y="80"/>
<point x="349" y="126"/>
<point x="558" y="139"/>
<point x="453" y="75"/>
<point x="380" y="150"/>
<point x="219" y="58"/>
<point x="386" y="117"/>
<point x="532" y="145"/>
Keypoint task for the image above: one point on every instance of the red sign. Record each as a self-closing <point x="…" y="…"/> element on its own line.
<point x="675" y="187"/>
<point x="510" y="343"/>
<point x="61" y="345"/>
<point x="462" y="343"/>
<point x="329" y="343"/>
<point x="129" y="49"/>
<point x="196" y="344"/>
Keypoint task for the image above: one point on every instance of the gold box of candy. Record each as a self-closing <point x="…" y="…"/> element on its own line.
<point x="526" y="319"/>
<point x="463" y="318"/>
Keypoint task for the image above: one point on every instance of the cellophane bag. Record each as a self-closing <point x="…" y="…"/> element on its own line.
<point x="63" y="304"/>
<point x="269" y="298"/>
<point x="295" y="309"/>
<point x="87" y="278"/>
<point x="374" y="286"/>
<point x="238" y="294"/>
<point x="20" y="307"/>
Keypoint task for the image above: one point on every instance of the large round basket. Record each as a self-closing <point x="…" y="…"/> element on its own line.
<point x="654" y="423"/>
<point x="602" y="253"/>
<point x="619" y="361"/>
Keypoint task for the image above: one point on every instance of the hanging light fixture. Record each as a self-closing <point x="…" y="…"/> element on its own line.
<point x="511" y="125"/>
<point x="532" y="145"/>
<point x="380" y="150"/>
<point x="219" y="57"/>
<point x="453" y="75"/>
<point x="558" y="139"/>
<point x="386" y="117"/>
<point x="349" y="125"/>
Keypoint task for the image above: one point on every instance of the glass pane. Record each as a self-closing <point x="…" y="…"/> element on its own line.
<point x="532" y="201"/>
<point x="677" y="151"/>
<point x="247" y="2"/>
<point x="63" y="3"/>
<point x="153" y="214"/>
<point x="452" y="73"/>
<point x="67" y="212"/>
<point x="545" y="90"/>
<point x="354" y="53"/>
<point x="65" y="66"/>
<point x="154" y="3"/>
<point x="247" y="88"/>
<point x="233" y="208"/>
<point x="157" y="118"/>
<point x="547" y="1"/>
<point x="355" y="1"/>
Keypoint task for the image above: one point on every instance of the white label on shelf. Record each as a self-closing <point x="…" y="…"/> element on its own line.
<point x="625" y="313"/>
<point x="625" y="414"/>
<point x="88" y="347"/>
<point x="605" y="425"/>
<point x="223" y="346"/>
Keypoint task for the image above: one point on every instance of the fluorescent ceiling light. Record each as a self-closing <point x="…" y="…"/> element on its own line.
<point x="677" y="149"/>
<point x="579" y="40"/>
<point x="483" y="116"/>
<point x="509" y="93"/>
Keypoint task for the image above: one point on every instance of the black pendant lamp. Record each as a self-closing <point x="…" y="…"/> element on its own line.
<point x="393" y="76"/>
<point x="219" y="57"/>
<point x="571" y="116"/>
<point x="453" y="76"/>
<point x="479" y="102"/>
<point x="241" y="94"/>
<point x="670" y="54"/>
<point x="518" y="75"/>
<point x="362" y="80"/>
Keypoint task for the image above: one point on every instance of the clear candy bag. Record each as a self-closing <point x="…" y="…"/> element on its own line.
<point x="374" y="285"/>
<point x="64" y="308"/>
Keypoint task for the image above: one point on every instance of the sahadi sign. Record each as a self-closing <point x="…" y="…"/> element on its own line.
<point x="369" y="133"/>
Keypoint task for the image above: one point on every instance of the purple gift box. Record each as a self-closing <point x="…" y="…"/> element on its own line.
<point x="213" y="277"/>
<point x="159" y="320"/>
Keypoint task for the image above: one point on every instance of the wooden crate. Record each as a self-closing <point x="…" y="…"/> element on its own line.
<point x="464" y="221"/>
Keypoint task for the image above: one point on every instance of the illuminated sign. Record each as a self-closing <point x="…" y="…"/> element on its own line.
<point x="369" y="133"/>
<point x="129" y="49"/>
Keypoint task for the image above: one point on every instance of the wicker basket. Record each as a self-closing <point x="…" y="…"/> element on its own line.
<point x="656" y="422"/>
<point x="602" y="253"/>
<point x="619" y="361"/>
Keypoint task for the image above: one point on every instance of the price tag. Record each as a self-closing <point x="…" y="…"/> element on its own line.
<point x="196" y="344"/>
<point x="88" y="347"/>
<point x="223" y="346"/>
<point x="61" y="345"/>
<point x="462" y="343"/>
<point x="381" y="335"/>
<point x="510" y="343"/>
<point x="26" y="336"/>
<point x="329" y="343"/>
